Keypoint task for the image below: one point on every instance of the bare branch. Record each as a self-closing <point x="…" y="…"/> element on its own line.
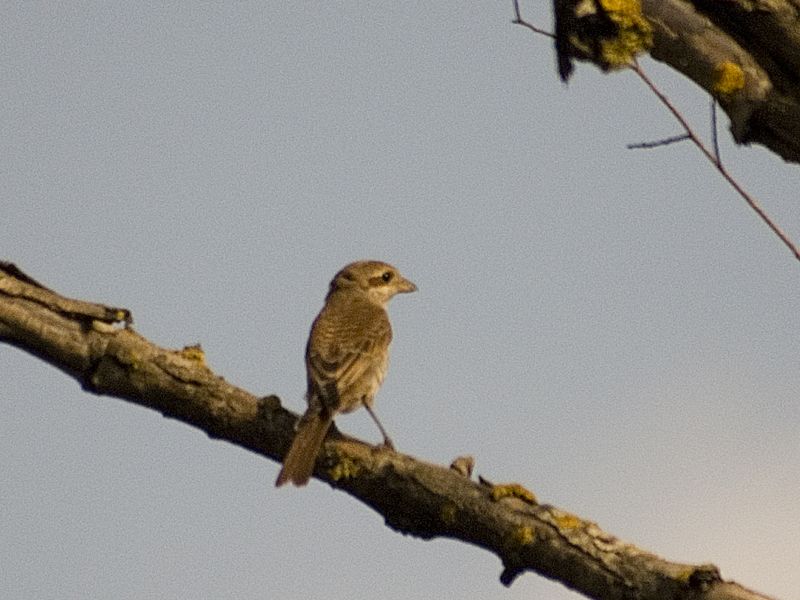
<point x="715" y="133"/>
<point x="415" y="497"/>
<point x="518" y="20"/>
<point x="658" y="143"/>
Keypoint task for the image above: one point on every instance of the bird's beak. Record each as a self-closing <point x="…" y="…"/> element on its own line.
<point x="404" y="286"/>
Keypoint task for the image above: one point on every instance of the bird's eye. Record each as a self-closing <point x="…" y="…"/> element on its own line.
<point x="387" y="276"/>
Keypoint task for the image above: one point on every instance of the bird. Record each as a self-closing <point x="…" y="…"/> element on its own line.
<point x="346" y="357"/>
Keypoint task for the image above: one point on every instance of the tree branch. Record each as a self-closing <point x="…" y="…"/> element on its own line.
<point x="718" y="63"/>
<point x="760" y="41"/>
<point x="87" y="341"/>
<point x="744" y="54"/>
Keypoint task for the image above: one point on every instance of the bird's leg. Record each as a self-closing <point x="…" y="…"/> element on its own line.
<point x="387" y="442"/>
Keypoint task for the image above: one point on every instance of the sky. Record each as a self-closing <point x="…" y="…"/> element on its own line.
<point x="614" y="329"/>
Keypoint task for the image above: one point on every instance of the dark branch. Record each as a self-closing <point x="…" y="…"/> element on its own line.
<point x="414" y="497"/>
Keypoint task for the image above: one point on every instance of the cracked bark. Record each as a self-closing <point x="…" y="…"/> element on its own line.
<point x="97" y="346"/>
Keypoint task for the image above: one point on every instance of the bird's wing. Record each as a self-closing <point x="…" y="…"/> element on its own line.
<point x="343" y="351"/>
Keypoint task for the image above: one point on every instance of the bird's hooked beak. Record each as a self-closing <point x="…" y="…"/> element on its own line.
<point x="405" y="286"/>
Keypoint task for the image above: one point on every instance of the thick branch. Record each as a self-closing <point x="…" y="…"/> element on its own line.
<point x="713" y="42"/>
<point x="745" y="54"/>
<point x="415" y="497"/>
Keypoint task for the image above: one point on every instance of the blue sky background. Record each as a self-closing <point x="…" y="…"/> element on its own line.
<point x="614" y="329"/>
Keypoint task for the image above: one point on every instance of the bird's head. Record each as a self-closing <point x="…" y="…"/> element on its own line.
<point x="379" y="281"/>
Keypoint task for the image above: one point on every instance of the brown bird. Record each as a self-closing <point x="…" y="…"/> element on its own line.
<point x="346" y="358"/>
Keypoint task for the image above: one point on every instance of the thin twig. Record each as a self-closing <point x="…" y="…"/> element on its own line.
<point x="518" y="20"/>
<point x="657" y="143"/>
<point x="715" y="161"/>
<point x="714" y="132"/>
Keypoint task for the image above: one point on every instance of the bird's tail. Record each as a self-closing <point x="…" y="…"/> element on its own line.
<point x="298" y="464"/>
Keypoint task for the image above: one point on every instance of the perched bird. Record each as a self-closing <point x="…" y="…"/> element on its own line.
<point x="346" y="358"/>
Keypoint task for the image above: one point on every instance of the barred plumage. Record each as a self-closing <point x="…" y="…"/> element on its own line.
<point x="347" y="356"/>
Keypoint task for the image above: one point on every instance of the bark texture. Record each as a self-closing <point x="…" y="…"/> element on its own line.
<point x="709" y="41"/>
<point x="97" y="345"/>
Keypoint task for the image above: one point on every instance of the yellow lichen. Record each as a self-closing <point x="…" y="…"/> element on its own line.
<point x="344" y="469"/>
<point x="567" y="521"/>
<point x="448" y="513"/>
<point x="610" y="33"/>
<point x="522" y="536"/>
<point x="513" y="490"/>
<point x="635" y="33"/>
<point x="728" y="78"/>
<point x="622" y="6"/>
<point x="194" y="353"/>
